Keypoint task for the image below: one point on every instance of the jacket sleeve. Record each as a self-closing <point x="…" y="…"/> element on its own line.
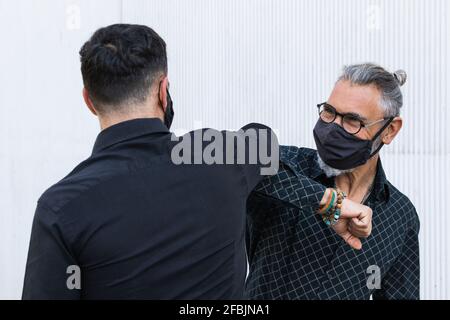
<point x="291" y="188"/>
<point x="262" y="153"/>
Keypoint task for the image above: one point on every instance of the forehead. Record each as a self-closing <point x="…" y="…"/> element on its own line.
<point x="351" y="98"/>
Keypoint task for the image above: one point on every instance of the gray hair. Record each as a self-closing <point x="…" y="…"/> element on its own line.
<point x="388" y="83"/>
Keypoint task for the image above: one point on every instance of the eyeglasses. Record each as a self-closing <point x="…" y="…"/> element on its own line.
<point x="350" y="122"/>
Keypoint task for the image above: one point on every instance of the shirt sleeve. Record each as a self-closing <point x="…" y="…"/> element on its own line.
<point x="402" y="281"/>
<point x="262" y="153"/>
<point x="291" y="188"/>
<point x="49" y="259"/>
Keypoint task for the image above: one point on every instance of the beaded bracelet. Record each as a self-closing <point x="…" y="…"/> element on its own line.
<point x="333" y="212"/>
<point x="329" y="204"/>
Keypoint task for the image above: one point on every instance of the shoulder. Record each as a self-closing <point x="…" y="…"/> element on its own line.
<point x="84" y="177"/>
<point x="288" y="153"/>
<point x="298" y="158"/>
<point x="203" y="137"/>
<point x="249" y="127"/>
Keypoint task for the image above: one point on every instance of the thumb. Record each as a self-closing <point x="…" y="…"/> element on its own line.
<point x="351" y="240"/>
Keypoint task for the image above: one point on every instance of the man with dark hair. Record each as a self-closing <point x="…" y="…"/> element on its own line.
<point x="119" y="64"/>
<point x="131" y="222"/>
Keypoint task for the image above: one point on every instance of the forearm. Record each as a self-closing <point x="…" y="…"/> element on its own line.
<point x="294" y="189"/>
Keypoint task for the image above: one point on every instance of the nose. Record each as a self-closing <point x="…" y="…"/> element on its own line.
<point x="339" y="120"/>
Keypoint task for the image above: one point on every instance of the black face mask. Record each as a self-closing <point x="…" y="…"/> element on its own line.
<point x="342" y="150"/>
<point x="169" y="114"/>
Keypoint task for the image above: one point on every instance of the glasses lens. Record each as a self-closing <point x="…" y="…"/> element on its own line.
<point x="351" y="124"/>
<point x="327" y="113"/>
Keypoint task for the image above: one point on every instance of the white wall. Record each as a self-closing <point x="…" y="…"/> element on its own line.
<point x="231" y="62"/>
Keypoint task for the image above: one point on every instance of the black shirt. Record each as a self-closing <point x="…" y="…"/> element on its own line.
<point x="140" y="227"/>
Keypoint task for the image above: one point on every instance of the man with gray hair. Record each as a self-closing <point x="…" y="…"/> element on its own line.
<point x="294" y="254"/>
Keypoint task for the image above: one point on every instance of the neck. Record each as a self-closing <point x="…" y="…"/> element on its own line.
<point x="356" y="184"/>
<point x="113" y="118"/>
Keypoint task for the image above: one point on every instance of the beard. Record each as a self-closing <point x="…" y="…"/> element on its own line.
<point x="330" y="171"/>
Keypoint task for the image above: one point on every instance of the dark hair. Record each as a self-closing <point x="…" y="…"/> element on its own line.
<point x="120" y="62"/>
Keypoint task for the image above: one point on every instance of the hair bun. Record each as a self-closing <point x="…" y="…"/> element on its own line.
<point x="400" y="76"/>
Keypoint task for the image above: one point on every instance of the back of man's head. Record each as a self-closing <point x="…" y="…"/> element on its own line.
<point x="120" y="63"/>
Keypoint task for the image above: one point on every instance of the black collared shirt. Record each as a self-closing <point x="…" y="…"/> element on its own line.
<point x="140" y="227"/>
<point x="294" y="255"/>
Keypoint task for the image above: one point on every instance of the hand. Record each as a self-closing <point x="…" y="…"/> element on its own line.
<point x="355" y="222"/>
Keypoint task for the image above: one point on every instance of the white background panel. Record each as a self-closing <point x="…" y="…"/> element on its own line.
<point x="231" y="62"/>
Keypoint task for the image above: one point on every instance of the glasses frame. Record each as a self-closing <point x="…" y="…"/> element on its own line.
<point x="342" y="115"/>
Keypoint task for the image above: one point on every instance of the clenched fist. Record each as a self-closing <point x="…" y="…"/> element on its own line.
<point x="355" y="223"/>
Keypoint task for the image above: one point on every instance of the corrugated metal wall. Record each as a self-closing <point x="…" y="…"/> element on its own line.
<point x="231" y="62"/>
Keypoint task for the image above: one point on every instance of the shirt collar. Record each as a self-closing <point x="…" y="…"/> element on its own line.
<point x="128" y="130"/>
<point x="380" y="187"/>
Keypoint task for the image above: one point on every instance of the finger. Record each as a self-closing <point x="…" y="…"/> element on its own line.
<point x="354" y="231"/>
<point x="365" y="219"/>
<point x="359" y="231"/>
<point x="349" y="214"/>
<point x="353" y="226"/>
<point x="362" y="223"/>
<point x="352" y="241"/>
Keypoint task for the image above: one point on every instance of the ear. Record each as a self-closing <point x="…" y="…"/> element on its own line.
<point x="392" y="130"/>
<point x="88" y="102"/>
<point x="163" y="93"/>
